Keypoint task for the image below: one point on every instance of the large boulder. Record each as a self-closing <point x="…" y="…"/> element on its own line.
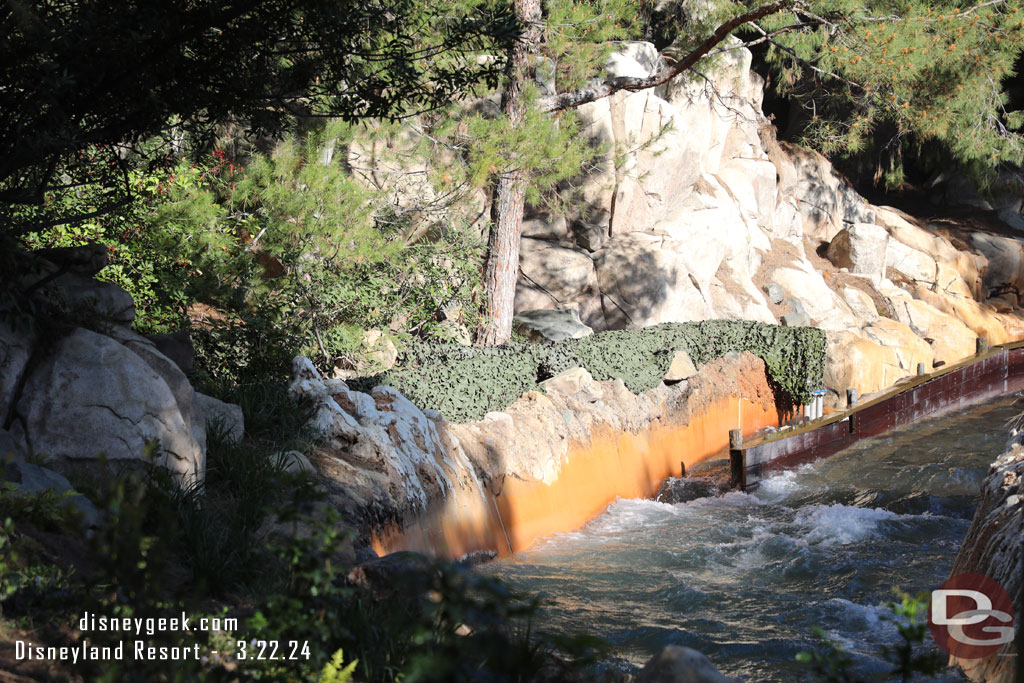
<point x="177" y="346"/>
<point x="551" y="227"/>
<point x="951" y="340"/>
<point x="551" y="326"/>
<point x="873" y="358"/>
<point x="912" y="264"/>
<point x="172" y="375"/>
<point x="1005" y="262"/>
<point x="87" y="259"/>
<point x="95" y="396"/>
<point x="644" y="282"/>
<point x="826" y="201"/>
<point x="93" y="298"/>
<point x="862" y="305"/>
<point x="15" y="350"/>
<point x="215" y="414"/>
<point x="824" y="307"/>
<point x="382" y="449"/>
<point x="561" y="273"/>
<point x="901" y="229"/>
<point x="979" y="318"/>
<point x="860" y="248"/>
<point x="34" y="480"/>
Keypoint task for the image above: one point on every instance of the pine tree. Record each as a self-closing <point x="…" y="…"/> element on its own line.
<point x="933" y="71"/>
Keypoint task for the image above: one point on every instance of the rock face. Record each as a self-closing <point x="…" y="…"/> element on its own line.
<point x="388" y="452"/>
<point x="860" y="248"/>
<point x="993" y="548"/>
<point x="76" y="406"/>
<point x="547" y="463"/>
<point x="726" y="214"/>
<point x="212" y="413"/>
<point x="696" y="212"/>
<point x="104" y="391"/>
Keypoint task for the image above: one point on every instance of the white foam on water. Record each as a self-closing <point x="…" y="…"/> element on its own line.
<point x="730" y="499"/>
<point x="841" y="524"/>
<point x="630" y="514"/>
<point x="780" y="486"/>
<point x="760" y="535"/>
<point x="868" y="617"/>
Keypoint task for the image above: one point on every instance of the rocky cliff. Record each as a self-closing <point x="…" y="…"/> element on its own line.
<point x="992" y="548"/>
<point x="712" y="218"/>
<point x="697" y="212"/>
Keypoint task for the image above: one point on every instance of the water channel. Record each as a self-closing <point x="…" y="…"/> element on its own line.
<point x="743" y="578"/>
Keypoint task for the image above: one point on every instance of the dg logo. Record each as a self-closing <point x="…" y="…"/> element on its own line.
<point x="971" y="616"/>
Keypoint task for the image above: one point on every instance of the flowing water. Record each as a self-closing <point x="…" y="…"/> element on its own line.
<point x="744" y="578"/>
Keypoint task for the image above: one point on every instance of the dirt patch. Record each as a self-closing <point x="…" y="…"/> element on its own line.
<point x="785" y="254"/>
<point x="204" y="316"/>
<point x="727" y="279"/>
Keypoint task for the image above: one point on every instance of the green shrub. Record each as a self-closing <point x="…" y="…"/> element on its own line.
<point x="293" y="255"/>
<point x="464" y="383"/>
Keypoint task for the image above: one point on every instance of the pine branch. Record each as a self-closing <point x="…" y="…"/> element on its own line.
<point x="632" y="84"/>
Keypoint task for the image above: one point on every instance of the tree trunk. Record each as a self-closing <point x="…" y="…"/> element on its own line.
<point x="502" y="268"/>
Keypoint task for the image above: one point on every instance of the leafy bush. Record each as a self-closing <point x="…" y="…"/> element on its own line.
<point x="288" y="254"/>
<point x="465" y="383"/>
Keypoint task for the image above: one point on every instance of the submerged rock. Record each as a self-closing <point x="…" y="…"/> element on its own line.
<point x="677" y="664"/>
<point x="684" y="489"/>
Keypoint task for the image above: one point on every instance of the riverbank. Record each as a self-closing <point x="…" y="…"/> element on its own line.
<point x="551" y="459"/>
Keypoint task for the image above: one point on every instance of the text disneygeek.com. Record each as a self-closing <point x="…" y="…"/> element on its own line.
<point x="141" y="649"/>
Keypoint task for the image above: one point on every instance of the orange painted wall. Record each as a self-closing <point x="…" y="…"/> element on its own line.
<point x="611" y="465"/>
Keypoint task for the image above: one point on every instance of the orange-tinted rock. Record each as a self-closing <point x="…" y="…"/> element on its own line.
<point x="625" y="449"/>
